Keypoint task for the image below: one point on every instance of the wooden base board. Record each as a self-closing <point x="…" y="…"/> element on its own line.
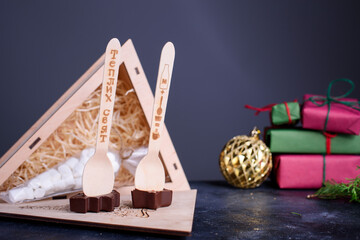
<point x="177" y="219"/>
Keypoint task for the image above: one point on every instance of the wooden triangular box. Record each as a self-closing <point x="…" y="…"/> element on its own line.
<point x="59" y="119"/>
<point x="130" y="74"/>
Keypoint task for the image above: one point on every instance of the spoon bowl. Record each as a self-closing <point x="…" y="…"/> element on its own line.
<point x="145" y="178"/>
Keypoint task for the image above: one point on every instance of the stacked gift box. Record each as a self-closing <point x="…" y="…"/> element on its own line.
<point x="325" y="147"/>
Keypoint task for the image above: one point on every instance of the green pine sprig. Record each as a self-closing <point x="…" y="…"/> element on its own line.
<point x="333" y="190"/>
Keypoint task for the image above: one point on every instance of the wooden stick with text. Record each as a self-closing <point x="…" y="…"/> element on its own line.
<point x="150" y="173"/>
<point x="98" y="176"/>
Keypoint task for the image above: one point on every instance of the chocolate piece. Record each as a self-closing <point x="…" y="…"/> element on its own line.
<point x="151" y="199"/>
<point x="81" y="203"/>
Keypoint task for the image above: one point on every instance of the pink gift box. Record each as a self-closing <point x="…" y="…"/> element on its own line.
<point x="306" y="171"/>
<point x="342" y="119"/>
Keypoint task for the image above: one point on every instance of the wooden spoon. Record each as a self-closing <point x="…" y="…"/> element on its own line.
<point x="98" y="175"/>
<point x="150" y="174"/>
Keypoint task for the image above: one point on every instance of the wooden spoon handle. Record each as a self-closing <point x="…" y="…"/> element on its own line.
<point x="108" y="92"/>
<point x="161" y="96"/>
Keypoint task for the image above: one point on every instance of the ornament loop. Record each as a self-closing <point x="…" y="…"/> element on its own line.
<point x="255" y="133"/>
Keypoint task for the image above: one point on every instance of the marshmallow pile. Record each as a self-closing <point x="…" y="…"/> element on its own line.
<point x="62" y="179"/>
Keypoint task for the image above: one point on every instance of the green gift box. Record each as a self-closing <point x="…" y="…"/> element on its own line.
<point x="295" y="140"/>
<point x="285" y="113"/>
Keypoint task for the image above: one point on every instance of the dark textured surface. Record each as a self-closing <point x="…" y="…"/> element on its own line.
<point x="228" y="54"/>
<point x="224" y="212"/>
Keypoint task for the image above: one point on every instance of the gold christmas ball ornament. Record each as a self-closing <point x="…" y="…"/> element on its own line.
<point x="245" y="161"/>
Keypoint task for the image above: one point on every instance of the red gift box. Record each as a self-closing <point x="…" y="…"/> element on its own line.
<point x="306" y="171"/>
<point x="342" y="118"/>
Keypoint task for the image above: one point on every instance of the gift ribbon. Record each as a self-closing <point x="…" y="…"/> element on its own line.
<point x="288" y="112"/>
<point x="328" y="137"/>
<point x="327" y="101"/>
<point x="269" y="107"/>
<point x="259" y="110"/>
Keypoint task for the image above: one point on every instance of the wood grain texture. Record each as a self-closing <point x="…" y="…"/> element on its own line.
<point x="177" y="219"/>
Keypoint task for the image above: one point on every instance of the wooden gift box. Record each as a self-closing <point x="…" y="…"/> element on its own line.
<point x="132" y="80"/>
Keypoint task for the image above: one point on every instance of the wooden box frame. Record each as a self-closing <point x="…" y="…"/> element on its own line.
<point x="73" y="97"/>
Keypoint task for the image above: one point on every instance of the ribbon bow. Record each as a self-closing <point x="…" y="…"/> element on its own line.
<point x="329" y="99"/>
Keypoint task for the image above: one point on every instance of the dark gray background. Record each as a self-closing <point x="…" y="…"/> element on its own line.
<point x="228" y="53"/>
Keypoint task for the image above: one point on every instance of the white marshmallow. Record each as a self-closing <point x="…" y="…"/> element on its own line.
<point x="78" y="183"/>
<point x="64" y="170"/>
<point x="54" y="175"/>
<point x="71" y="162"/>
<point x="86" y="154"/>
<point x="48" y="186"/>
<point x="115" y="160"/>
<point x="29" y="193"/>
<point x="20" y="194"/>
<point x="34" y="183"/>
<point x="44" y="176"/>
<point x="78" y="170"/>
<point x="39" y="193"/>
<point x="59" y="186"/>
<point x="69" y="182"/>
<point x="17" y="195"/>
